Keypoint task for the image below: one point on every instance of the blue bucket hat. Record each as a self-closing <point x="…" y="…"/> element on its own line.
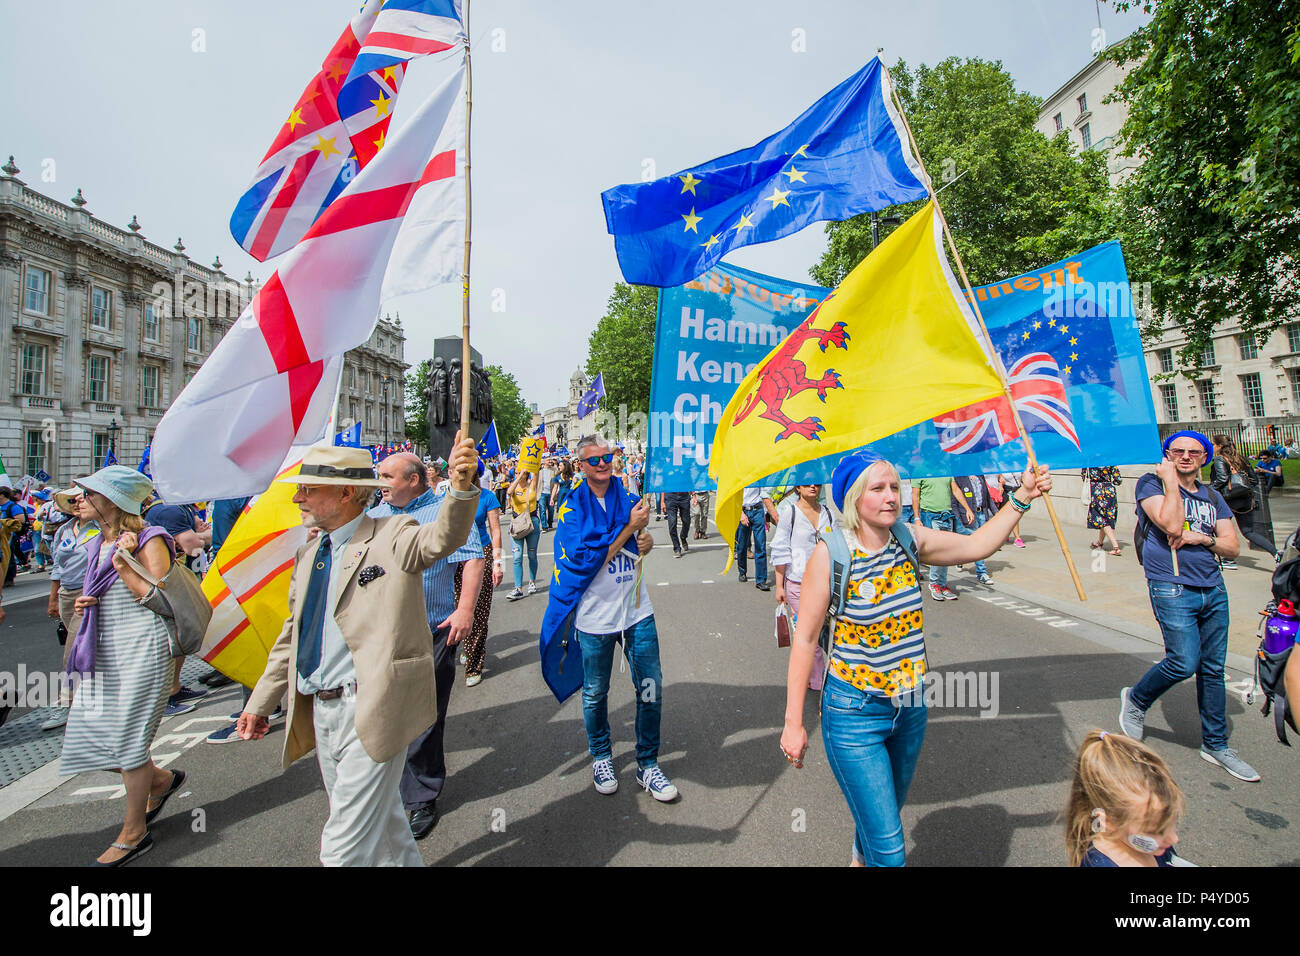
<point x="1188" y="433"/>
<point x="125" y="487"/>
<point x="847" y="472"/>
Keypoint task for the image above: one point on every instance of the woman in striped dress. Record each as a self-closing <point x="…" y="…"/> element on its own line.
<point x="873" y="702"/>
<point x="122" y="649"/>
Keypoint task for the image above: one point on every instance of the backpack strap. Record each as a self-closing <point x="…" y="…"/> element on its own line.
<point x="903" y="535"/>
<point x="841" y="562"/>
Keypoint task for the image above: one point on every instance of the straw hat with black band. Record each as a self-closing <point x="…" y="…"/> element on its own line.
<point x="335" y="465"/>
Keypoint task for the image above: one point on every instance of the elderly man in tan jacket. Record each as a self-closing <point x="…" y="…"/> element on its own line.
<point x="357" y="648"/>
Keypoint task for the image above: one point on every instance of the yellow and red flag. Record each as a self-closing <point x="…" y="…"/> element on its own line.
<point x="248" y="585"/>
<point x="911" y="350"/>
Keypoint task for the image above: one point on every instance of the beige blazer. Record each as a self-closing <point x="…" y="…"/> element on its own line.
<point x="386" y="628"/>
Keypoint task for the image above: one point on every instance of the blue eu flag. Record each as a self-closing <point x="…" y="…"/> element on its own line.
<point x="592" y="396"/>
<point x="584" y="530"/>
<point x="846" y="154"/>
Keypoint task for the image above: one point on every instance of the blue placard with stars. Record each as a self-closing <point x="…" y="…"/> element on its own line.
<point x="1071" y="327"/>
<point x="847" y="154"/>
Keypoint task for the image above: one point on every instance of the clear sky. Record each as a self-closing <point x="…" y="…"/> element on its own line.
<point x="164" y="108"/>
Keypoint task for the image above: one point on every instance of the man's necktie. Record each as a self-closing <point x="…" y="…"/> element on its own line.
<point x="311" y="632"/>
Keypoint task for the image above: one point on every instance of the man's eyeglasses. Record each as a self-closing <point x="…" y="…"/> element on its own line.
<point x="596" y="460"/>
<point x="1186" y="453"/>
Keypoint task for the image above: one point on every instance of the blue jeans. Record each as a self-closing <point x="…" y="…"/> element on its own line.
<point x="1194" y="623"/>
<point x="641" y="646"/>
<point x="757" y="527"/>
<point x="872" y="744"/>
<point x="980" y="518"/>
<point x="944" y="521"/>
<point x="906" y="514"/>
<point x="531" y="542"/>
<point x="544" y="509"/>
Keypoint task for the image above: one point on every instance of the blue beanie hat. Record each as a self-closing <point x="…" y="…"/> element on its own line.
<point x="847" y="472"/>
<point x="1188" y="433"/>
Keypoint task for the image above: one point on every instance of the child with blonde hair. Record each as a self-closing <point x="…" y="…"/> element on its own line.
<point x="1124" y="805"/>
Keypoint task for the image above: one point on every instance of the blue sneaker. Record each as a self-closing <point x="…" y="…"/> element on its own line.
<point x="175" y="710"/>
<point x="602" y="773"/>
<point x="186" y="694"/>
<point x="226" y="735"/>
<point x="654" y="782"/>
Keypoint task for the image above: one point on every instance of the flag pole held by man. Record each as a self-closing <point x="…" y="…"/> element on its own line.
<point x="356" y="652"/>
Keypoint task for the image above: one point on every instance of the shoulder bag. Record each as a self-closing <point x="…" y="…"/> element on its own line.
<point x="521" y="525"/>
<point x="179" y="600"/>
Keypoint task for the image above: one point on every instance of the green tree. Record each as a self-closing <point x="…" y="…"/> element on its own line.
<point x="1015" y="200"/>
<point x="1210" y="217"/>
<point x="417" y="403"/>
<point x="508" y="407"/>
<point x="622" y="347"/>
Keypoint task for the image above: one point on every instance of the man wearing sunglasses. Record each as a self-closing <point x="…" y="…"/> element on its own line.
<point x="600" y="530"/>
<point x="1179" y="515"/>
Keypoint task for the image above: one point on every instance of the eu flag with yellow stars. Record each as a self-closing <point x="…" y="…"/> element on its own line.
<point x="846" y="154"/>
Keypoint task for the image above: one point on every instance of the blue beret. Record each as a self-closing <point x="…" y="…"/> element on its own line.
<point x="847" y="472"/>
<point x="1188" y="433"/>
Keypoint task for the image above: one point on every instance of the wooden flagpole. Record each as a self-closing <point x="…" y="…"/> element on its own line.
<point x="465" y="367"/>
<point x="993" y="352"/>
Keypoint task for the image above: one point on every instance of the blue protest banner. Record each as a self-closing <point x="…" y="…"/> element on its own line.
<point x="1067" y="334"/>
<point x="709" y="334"/>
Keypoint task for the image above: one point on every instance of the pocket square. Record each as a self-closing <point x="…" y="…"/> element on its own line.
<point x="370" y="573"/>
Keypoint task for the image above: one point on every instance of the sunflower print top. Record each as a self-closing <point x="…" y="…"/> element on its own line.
<point x="878" y="644"/>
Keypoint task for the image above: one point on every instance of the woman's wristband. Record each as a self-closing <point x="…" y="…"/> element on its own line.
<point x="1016" y="503"/>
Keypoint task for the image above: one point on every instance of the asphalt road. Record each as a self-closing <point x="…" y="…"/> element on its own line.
<point x="988" y="789"/>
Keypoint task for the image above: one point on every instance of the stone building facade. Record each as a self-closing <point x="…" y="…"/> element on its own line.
<point x="101" y="329"/>
<point x="1239" y="379"/>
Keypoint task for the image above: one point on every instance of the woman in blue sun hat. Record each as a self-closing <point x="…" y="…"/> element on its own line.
<point x="873" y="703"/>
<point x="121" y="651"/>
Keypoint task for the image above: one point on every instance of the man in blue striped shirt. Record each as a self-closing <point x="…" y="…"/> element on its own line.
<point x="408" y="493"/>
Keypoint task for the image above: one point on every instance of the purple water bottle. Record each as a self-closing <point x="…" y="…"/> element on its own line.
<point x="1280" y="629"/>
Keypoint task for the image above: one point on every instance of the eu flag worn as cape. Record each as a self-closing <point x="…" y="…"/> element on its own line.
<point x="583" y="533"/>
<point x="846" y="154"/>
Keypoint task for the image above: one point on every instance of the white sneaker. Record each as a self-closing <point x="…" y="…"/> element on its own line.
<point x="602" y="774"/>
<point x="57" y="719"/>
<point x="514" y="595"/>
<point x="532" y="587"/>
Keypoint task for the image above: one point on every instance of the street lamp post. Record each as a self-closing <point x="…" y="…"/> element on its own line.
<point x="384" y="381"/>
<point x="876" y="220"/>
<point x="113" y="429"/>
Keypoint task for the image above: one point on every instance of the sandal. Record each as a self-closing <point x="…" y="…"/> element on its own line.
<point x="1116" y="552"/>
<point x="140" y="848"/>
<point x="178" y="778"/>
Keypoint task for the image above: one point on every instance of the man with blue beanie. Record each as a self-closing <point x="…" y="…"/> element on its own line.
<point x="1187" y="527"/>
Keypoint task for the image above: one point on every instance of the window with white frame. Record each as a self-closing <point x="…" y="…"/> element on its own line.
<point x="1209" y="403"/>
<point x="36" y="296"/>
<point x="1295" y="388"/>
<point x="152" y="330"/>
<point x="97" y="367"/>
<point x="1086" y="134"/>
<point x="1207" y="355"/>
<point x="1166" y="360"/>
<point x="32" y="372"/>
<point x="1293" y="337"/>
<point x="1169" y="394"/>
<point x="1249" y="345"/>
<point x="149" y="386"/>
<point x="101" y="308"/>
<point x="1083" y="103"/>
<point x="1059" y="121"/>
<point x="195" y="343"/>
<point x="34" y="457"/>
<point x="1253" y="392"/>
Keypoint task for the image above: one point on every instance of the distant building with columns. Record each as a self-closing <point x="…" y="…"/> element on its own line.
<point x="101" y="329"/>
